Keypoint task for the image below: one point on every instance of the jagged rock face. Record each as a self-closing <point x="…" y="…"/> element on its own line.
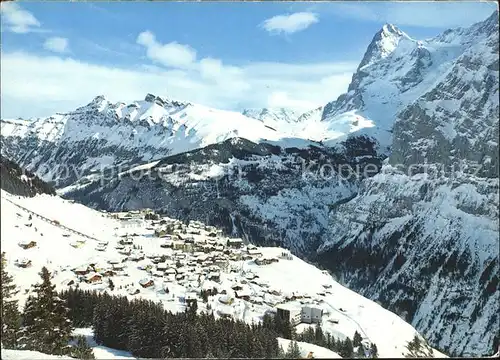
<point x="421" y="237"/>
<point x="262" y="192"/>
<point x="456" y="123"/>
<point x="17" y="181"/>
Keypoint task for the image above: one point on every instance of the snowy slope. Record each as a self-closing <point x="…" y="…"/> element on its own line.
<point x="29" y="355"/>
<point x="286" y="276"/>
<point x="306" y="348"/>
<point x="100" y="352"/>
<point x="273" y="115"/>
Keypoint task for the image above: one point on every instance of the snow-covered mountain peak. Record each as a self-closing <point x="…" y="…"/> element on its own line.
<point x="273" y="114"/>
<point x="384" y="42"/>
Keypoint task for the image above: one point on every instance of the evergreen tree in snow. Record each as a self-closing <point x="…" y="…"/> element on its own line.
<point x="360" y="352"/>
<point x="11" y="318"/>
<point x="373" y="351"/>
<point x="111" y="284"/>
<point x="47" y="327"/>
<point x="82" y="350"/>
<point x="293" y="351"/>
<point x="346" y="349"/>
<point x="356" y="340"/>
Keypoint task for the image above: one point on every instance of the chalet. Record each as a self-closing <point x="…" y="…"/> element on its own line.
<point x="99" y="267"/>
<point x="68" y="282"/>
<point x="178" y="245"/>
<point x="226" y="299"/>
<point x="119" y="247"/>
<point x="109" y="273"/>
<point x="170" y="270"/>
<point x="27" y="244"/>
<point x="273" y="292"/>
<point x="254" y="252"/>
<point x="327" y="286"/>
<point x="77" y="244"/>
<point x="237" y="287"/>
<point x="214" y="276"/>
<point x="179" y="277"/>
<point x="157" y="273"/>
<point x="251" y="276"/>
<point x="265" y="260"/>
<point x="93" y="277"/>
<point x="118" y="267"/>
<point x="235" y="243"/>
<point x="100" y="247"/>
<point x="259" y="300"/>
<point x="136" y="257"/>
<point x="286" y="255"/>
<point x="127" y="241"/>
<point x="66" y="235"/>
<point x="133" y="291"/>
<point x="219" y="248"/>
<point x="125" y="251"/>
<point x="145" y="266"/>
<point x="289" y="312"/>
<point x="162" y="266"/>
<point x="157" y="260"/>
<point x="23" y="263"/>
<point x="145" y="283"/>
<point x="311" y="314"/>
<point x="81" y="270"/>
<point x="167" y="244"/>
<point x="189" y="240"/>
<point x="333" y="320"/>
<point x="243" y="294"/>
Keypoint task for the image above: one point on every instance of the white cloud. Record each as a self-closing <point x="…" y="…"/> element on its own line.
<point x="35" y="85"/>
<point x="281" y="99"/>
<point x="210" y="68"/>
<point x="290" y="23"/>
<point x="172" y="54"/>
<point x="56" y="44"/>
<point x="17" y="19"/>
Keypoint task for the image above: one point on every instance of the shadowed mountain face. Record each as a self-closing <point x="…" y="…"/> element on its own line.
<point x="402" y="205"/>
<point x="17" y="181"/>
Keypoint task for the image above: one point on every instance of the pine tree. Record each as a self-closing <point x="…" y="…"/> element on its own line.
<point x="346" y="349"/>
<point x="111" y="284"/>
<point x="373" y="351"/>
<point x="11" y="317"/>
<point x="356" y="340"/>
<point x="360" y="352"/>
<point x="281" y="353"/>
<point x="47" y="327"/>
<point x="293" y="351"/>
<point x="82" y="350"/>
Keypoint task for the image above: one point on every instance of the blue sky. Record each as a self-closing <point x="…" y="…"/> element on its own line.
<point x="59" y="55"/>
